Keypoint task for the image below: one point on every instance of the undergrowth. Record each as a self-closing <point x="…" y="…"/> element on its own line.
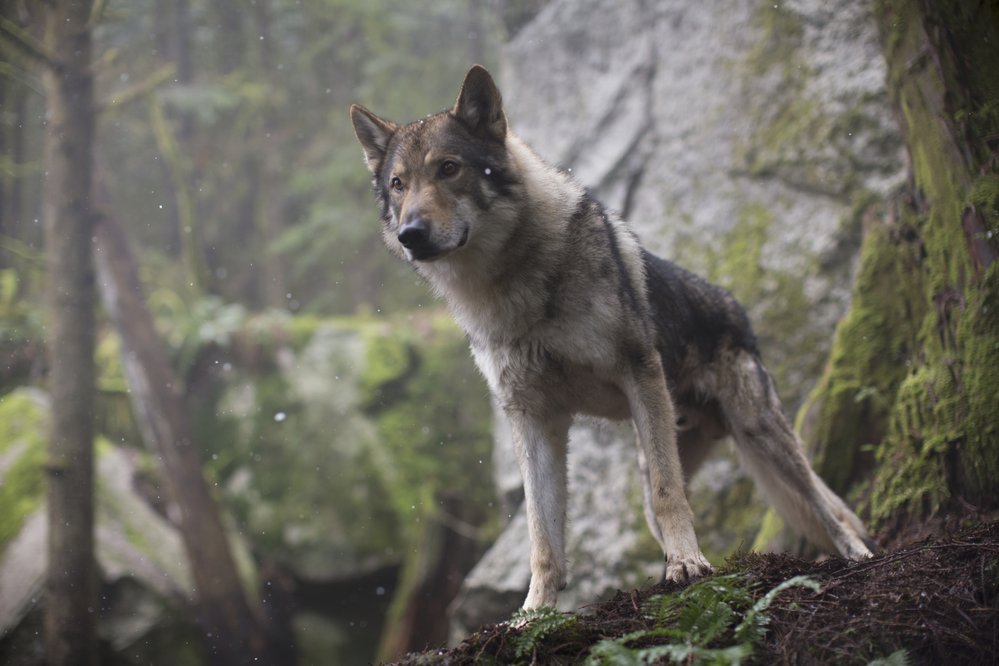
<point x="715" y="621"/>
<point x="933" y="601"/>
<point x="711" y="622"/>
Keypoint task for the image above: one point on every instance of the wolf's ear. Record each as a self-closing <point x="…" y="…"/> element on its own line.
<point x="373" y="133"/>
<point x="480" y="105"/>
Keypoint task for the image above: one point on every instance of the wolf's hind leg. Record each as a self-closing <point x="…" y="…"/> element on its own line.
<point x="774" y="457"/>
<point x="666" y="507"/>
<point x="541" y="446"/>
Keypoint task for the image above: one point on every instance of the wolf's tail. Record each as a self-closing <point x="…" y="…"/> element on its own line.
<point x="774" y="457"/>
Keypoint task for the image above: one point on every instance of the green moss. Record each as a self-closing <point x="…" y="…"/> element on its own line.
<point x="897" y="384"/>
<point x="24" y="418"/>
<point x="872" y="348"/>
<point x="984" y="196"/>
<point x="796" y="136"/>
<point x="930" y="421"/>
<point x="912" y="475"/>
<point x="770" y="529"/>
<point x="782" y="32"/>
<point x="977" y="468"/>
<point x="113" y="408"/>
<point x="728" y="519"/>
<point x="390" y="360"/>
<point x="336" y="460"/>
<point x="432" y="414"/>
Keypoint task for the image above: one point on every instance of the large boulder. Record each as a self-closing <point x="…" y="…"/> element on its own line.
<point x="741" y="139"/>
<point x="146" y="585"/>
<point x="335" y="443"/>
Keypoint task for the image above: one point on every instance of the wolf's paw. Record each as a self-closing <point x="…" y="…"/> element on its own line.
<point x="540" y="596"/>
<point x="683" y="569"/>
<point x="858" y="551"/>
<point x="853" y="545"/>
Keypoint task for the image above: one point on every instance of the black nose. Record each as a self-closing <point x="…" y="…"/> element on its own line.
<point x="414" y="234"/>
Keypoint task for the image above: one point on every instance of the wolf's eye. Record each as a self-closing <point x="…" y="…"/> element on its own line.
<point x="396" y="183"/>
<point x="448" y="168"/>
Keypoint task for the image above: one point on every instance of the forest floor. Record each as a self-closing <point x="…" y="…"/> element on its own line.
<point x="935" y="600"/>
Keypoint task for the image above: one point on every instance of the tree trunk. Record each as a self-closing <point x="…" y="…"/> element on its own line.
<point x="906" y="412"/>
<point x="173" y="28"/>
<point x="71" y="600"/>
<point x="231" y="629"/>
<point x="446" y="552"/>
<point x="265" y="197"/>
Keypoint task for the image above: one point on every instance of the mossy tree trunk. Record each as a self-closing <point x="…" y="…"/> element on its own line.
<point x="71" y="597"/>
<point x="906" y="414"/>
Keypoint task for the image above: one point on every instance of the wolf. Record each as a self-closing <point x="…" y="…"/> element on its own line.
<point x="567" y="314"/>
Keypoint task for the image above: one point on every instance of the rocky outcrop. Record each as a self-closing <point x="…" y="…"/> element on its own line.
<point x="739" y="139"/>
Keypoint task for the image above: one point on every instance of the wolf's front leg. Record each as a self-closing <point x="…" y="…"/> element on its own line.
<point x="541" y="450"/>
<point x="655" y="425"/>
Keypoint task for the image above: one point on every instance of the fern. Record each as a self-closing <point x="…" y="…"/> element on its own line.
<point x="754" y="625"/>
<point x="614" y="652"/>
<point x="688" y="622"/>
<point x="897" y="658"/>
<point x="537" y="624"/>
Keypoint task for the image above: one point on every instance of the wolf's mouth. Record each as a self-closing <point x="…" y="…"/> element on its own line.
<point x="428" y="254"/>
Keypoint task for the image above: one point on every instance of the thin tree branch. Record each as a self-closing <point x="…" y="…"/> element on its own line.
<point x="96" y="12"/>
<point x="22" y="41"/>
<point x="190" y="229"/>
<point x="19" y="75"/>
<point x="118" y="100"/>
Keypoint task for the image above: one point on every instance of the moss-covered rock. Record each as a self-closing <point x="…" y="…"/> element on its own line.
<point x="333" y="440"/>
<point x="145" y="582"/>
<point x="332" y="462"/>
<point x="23" y="424"/>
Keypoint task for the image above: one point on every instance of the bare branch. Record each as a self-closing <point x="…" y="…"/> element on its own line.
<point x="19" y="75"/>
<point x="19" y="38"/>
<point x="119" y="99"/>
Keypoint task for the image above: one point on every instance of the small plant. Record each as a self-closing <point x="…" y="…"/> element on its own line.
<point x="536" y="625"/>
<point x="713" y="612"/>
<point x="897" y="658"/>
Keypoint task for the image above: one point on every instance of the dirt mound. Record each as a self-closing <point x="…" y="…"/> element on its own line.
<point x="932" y="601"/>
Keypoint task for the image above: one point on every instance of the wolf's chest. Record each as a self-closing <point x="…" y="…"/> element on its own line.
<point x="569" y="379"/>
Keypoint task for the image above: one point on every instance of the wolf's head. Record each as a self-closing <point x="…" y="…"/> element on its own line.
<point x="436" y="178"/>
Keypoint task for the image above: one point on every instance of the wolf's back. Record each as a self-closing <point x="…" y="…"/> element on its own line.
<point x="691" y="314"/>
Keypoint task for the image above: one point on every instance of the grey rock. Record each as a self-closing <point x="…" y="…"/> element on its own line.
<point x="136" y="549"/>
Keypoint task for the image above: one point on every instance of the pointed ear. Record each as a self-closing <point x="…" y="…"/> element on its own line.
<point x="373" y="133"/>
<point x="480" y="105"/>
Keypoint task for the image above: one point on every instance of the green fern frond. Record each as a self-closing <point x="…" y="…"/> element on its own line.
<point x="538" y="624"/>
<point x="897" y="658"/>
<point x="754" y="625"/>
<point x="701" y="615"/>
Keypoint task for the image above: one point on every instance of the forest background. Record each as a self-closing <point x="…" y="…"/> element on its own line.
<point x="293" y="456"/>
